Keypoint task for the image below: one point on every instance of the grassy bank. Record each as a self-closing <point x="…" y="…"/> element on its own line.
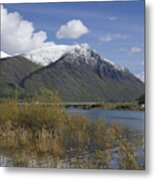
<point x="39" y="132"/>
<point x="130" y="105"/>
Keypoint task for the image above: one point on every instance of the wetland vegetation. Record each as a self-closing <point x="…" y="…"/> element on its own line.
<point x="48" y="136"/>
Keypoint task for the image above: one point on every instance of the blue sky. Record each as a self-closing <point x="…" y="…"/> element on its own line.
<point x="116" y="29"/>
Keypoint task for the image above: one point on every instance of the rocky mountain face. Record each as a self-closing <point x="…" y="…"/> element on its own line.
<point x="80" y="74"/>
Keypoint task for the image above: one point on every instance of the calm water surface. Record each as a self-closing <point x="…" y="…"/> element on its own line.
<point x="128" y="119"/>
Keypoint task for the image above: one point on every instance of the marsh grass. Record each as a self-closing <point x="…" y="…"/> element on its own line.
<point x="32" y="130"/>
<point x="127" y="156"/>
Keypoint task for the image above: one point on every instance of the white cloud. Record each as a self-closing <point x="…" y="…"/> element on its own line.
<point x="131" y="50"/>
<point x="112" y="18"/>
<point x="135" y="50"/>
<point x="112" y="37"/>
<point x="18" y="35"/>
<point x="122" y="49"/>
<point x="74" y="29"/>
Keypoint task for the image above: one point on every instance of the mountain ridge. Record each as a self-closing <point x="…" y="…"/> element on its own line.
<point x="46" y="54"/>
<point x="83" y="75"/>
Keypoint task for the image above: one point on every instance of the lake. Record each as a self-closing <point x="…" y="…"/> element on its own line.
<point x="128" y="119"/>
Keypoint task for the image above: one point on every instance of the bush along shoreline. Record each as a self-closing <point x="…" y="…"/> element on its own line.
<point x="48" y="136"/>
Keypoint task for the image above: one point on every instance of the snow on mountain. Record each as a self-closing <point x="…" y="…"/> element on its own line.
<point x="81" y="50"/>
<point x="81" y="54"/>
<point x="4" y="54"/>
<point x="116" y="66"/>
<point x="84" y="53"/>
<point x="51" y="52"/>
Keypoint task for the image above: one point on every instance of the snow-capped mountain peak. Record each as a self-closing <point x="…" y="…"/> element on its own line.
<point x="84" y="54"/>
<point x="81" y="50"/>
<point x="51" y="52"/>
<point x="4" y="54"/>
<point x="79" y="53"/>
<point x="47" y="54"/>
